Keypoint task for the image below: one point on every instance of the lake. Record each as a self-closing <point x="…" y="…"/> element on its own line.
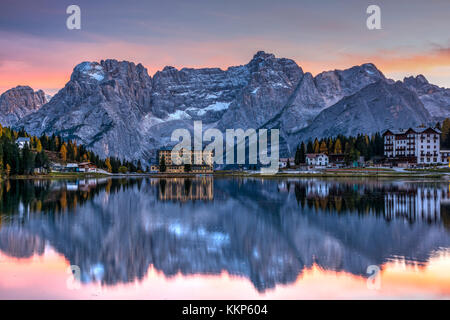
<point x="224" y="238"/>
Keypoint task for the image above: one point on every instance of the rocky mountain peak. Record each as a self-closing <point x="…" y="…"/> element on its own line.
<point x="18" y="102"/>
<point x="88" y="70"/>
<point x="116" y="109"/>
<point x="435" y="99"/>
<point x="110" y="69"/>
<point x="169" y="68"/>
<point x="262" y="55"/>
<point x="378" y="106"/>
<point x="337" y="84"/>
<point x="416" y="82"/>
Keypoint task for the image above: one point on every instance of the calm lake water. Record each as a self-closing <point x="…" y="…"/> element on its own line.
<point x="207" y="238"/>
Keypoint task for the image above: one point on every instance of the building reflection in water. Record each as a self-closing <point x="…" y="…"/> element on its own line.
<point x="410" y="201"/>
<point x="422" y="203"/>
<point x="266" y="230"/>
<point x="185" y="189"/>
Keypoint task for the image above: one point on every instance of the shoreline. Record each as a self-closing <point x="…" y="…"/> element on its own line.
<point x="223" y="174"/>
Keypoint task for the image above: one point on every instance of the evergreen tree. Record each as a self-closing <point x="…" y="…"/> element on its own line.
<point x="445" y="135"/>
<point x="309" y="147"/>
<point x="27" y="161"/>
<point x="330" y="145"/>
<point x="162" y="164"/>
<point x="297" y="156"/>
<point x="139" y="166"/>
<point x="41" y="160"/>
<point x="300" y="154"/>
<point x="1" y="158"/>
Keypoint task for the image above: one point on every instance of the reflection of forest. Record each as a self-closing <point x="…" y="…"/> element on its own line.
<point x="54" y="196"/>
<point x="429" y="202"/>
<point x="185" y="189"/>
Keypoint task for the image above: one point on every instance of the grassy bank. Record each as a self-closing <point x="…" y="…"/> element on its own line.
<point x="438" y="170"/>
<point x="61" y="175"/>
<point x="340" y="173"/>
<point x="346" y="173"/>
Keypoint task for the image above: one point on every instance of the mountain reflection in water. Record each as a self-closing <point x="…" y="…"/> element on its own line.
<point x="266" y="230"/>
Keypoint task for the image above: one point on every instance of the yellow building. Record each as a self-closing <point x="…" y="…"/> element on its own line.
<point x="200" y="161"/>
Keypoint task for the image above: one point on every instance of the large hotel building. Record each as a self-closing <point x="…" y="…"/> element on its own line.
<point x="200" y="161"/>
<point x="415" y="145"/>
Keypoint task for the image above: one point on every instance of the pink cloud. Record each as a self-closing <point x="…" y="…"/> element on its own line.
<point x="47" y="64"/>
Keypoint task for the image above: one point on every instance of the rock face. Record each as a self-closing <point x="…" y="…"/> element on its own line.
<point x="337" y="84"/>
<point x="101" y="106"/>
<point x="117" y="109"/>
<point x="376" y="107"/>
<point x="268" y="235"/>
<point x="19" y="102"/>
<point x="435" y="99"/>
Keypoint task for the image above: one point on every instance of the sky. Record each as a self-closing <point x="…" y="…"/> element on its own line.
<point x="38" y="50"/>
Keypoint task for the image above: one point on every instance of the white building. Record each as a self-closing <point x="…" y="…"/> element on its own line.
<point x="71" y="167"/>
<point x="317" y="159"/>
<point x="445" y="156"/>
<point x="22" y="141"/>
<point x="415" y="145"/>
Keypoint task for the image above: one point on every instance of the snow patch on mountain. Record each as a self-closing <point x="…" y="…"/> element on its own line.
<point x="93" y="70"/>
<point x="215" y="107"/>
<point x="178" y="115"/>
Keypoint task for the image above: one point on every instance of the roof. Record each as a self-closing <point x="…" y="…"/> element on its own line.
<point x="315" y="155"/>
<point x="413" y="129"/>
<point x="55" y="164"/>
<point x="72" y="165"/>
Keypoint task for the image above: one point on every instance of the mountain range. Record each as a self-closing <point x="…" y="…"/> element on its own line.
<point x="116" y="109"/>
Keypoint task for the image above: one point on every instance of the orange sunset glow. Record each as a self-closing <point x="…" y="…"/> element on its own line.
<point x="47" y="278"/>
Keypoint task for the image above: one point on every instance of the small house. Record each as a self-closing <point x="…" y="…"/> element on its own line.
<point x="87" y="167"/>
<point x="56" y="167"/>
<point x="317" y="159"/>
<point x="71" y="167"/>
